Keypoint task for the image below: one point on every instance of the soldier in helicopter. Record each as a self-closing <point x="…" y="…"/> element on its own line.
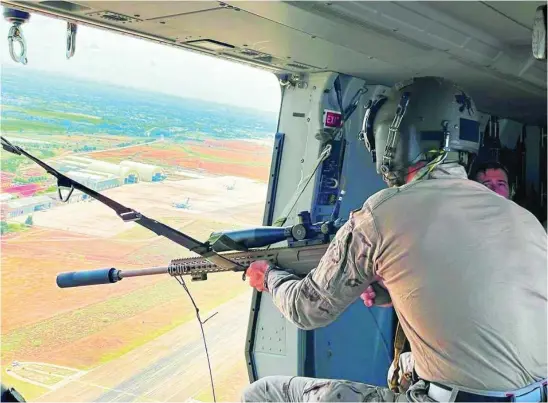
<point x="473" y="309"/>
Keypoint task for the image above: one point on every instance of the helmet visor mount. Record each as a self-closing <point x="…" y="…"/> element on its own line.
<point x="383" y="148"/>
<point x="406" y="152"/>
<point x="392" y="141"/>
<point x="366" y="134"/>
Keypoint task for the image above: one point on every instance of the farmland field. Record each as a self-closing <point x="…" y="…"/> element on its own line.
<point x="218" y="170"/>
<point x="237" y="158"/>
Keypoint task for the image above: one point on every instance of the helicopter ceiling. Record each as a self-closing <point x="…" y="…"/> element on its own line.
<point x="484" y="46"/>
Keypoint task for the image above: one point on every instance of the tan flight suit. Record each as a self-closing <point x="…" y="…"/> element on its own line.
<point x="466" y="271"/>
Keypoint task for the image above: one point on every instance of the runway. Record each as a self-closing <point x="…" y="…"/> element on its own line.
<point x="172" y="367"/>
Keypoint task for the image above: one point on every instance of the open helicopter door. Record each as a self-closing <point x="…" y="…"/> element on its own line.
<point x="358" y="345"/>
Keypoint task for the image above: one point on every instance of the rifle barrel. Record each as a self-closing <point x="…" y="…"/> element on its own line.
<point x="143" y="272"/>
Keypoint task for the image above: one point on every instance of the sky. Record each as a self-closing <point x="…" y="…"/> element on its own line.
<point x="114" y="58"/>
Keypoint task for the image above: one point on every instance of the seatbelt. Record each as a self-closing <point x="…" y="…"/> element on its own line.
<point x="399" y="343"/>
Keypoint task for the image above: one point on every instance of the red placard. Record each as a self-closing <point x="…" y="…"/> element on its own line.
<point x="332" y="119"/>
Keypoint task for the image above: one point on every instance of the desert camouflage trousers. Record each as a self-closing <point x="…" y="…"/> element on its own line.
<point x="301" y="389"/>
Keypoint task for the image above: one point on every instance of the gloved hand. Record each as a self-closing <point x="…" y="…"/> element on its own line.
<point x="255" y="272"/>
<point x="368" y="296"/>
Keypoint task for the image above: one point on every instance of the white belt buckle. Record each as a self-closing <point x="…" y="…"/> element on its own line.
<point x="440" y="394"/>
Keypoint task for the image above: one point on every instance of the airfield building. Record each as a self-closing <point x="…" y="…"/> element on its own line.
<point x="74" y="165"/>
<point x="6" y="196"/>
<point x="27" y="205"/>
<point x="126" y="172"/>
<point x="78" y="196"/>
<point x="127" y="175"/>
<point x="97" y="181"/>
<point x="69" y="164"/>
<point x="76" y="158"/>
<point x="147" y="173"/>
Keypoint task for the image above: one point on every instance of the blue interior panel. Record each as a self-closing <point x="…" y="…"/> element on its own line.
<point x="357" y="347"/>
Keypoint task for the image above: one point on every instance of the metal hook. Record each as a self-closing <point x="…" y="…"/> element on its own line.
<point x="71" y="39"/>
<point x="16" y="35"/>
<point x="64" y="199"/>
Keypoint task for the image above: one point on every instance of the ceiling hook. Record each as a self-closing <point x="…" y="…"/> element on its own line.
<point x="72" y="28"/>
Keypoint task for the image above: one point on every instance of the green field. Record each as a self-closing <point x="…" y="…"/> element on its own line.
<point x="7" y="228"/>
<point x="13" y="163"/>
<point x="10" y="125"/>
<point x="66" y="328"/>
<point x="48" y="114"/>
<point x="46" y="334"/>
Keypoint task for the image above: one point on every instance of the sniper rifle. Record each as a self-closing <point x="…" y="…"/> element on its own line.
<point x="307" y="243"/>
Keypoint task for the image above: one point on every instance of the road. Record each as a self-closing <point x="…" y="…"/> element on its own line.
<point x="172" y="367"/>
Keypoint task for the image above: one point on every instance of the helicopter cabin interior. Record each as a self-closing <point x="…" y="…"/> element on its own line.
<point x="331" y="58"/>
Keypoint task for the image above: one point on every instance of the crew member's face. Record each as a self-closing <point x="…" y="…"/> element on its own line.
<point x="496" y="180"/>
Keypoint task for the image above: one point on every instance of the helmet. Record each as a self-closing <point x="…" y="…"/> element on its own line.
<point x="421" y="119"/>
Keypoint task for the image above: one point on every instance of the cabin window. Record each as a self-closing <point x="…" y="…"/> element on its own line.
<point x="203" y="130"/>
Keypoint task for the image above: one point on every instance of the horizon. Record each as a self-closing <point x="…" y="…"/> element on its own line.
<point x="56" y="75"/>
<point x="47" y="103"/>
<point x="115" y="59"/>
